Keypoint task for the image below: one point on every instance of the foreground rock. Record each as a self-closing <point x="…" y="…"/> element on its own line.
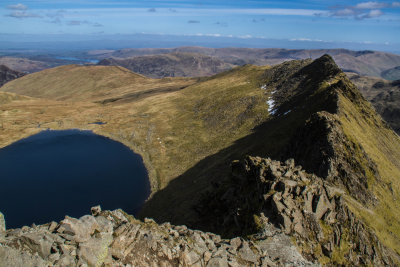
<point x="113" y="238"/>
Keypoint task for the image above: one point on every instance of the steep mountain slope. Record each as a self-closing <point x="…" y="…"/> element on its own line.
<point x="339" y="207"/>
<point x="7" y="74"/>
<point x="391" y="74"/>
<point x="172" y="122"/>
<point x="384" y="96"/>
<point x="370" y="63"/>
<point x="322" y="121"/>
<point x="171" y="65"/>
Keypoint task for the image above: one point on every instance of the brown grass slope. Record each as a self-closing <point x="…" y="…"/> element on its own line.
<point x="189" y="131"/>
<point x="79" y="83"/>
<point x="350" y="147"/>
<point x="165" y="120"/>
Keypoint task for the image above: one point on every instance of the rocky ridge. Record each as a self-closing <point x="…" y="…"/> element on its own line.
<point x="300" y="220"/>
<point x="349" y="171"/>
<point x="263" y="193"/>
<point x="113" y="238"/>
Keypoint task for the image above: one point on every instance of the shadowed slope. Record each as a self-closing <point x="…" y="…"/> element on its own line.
<point x="322" y="121"/>
<point x="7" y="74"/>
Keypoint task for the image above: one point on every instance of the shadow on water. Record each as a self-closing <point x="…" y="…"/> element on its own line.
<point x="56" y="173"/>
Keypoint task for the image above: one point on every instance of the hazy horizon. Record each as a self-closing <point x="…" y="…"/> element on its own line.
<point x="355" y="25"/>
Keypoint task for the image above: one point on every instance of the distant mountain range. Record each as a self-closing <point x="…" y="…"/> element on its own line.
<point x="203" y="61"/>
<point x="384" y="96"/>
<point x="176" y="64"/>
<point x="367" y="63"/>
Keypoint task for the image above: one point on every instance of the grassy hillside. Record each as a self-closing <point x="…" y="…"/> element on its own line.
<point x="93" y="83"/>
<point x="172" y="122"/>
<point x="188" y="131"/>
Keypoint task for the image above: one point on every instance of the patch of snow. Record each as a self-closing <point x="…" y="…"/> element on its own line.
<point x="264" y="87"/>
<point x="271" y="104"/>
<point x="287" y="112"/>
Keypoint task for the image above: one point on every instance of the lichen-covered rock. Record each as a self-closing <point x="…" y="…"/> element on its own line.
<point x="2" y="223"/>
<point x="113" y="238"/>
<point x="308" y="208"/>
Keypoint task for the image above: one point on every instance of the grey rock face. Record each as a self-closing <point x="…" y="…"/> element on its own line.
<point x="2" y="223"/>
<point x="113" y="238"/>
<point x="296" y="212"/>
<point x="286" y="201"/>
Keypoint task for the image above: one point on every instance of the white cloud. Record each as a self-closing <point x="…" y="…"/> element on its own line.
<point x="343" y="12"/>
<point x="371" y="5"/>
<point x="364" y="10"/>
<point x="372" y="14"/>
<point x="306" y="40"/>
<point x="279" y="11"/>
<point x="77" y="22"/>
<point x="23" y="15"/>
<point x="17" y="7"/>
<point x="396" y="4"/>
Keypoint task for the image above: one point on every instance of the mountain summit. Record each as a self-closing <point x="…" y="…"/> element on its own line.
<point x="320" y="184"/>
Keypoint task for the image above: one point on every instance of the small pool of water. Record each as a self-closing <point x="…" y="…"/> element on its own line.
<point x="94" y="61"/>
<point x="56" y="173"/>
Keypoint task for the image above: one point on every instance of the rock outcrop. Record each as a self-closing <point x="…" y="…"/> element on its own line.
<point x="264" y="193"/>
<point x="113" y="238"/>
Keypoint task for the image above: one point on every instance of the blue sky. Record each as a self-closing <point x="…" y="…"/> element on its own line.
<point x="322" y="21"/>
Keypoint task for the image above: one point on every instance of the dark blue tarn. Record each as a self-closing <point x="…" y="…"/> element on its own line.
<point x="56" y="173"/>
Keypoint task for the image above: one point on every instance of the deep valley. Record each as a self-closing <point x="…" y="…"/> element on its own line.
<point x="291" y="154"/>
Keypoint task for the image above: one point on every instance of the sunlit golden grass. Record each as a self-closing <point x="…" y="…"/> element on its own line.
<point x="174" y="123"/>
<point x="383" y="147"/>
<point x="172" y="130"/>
